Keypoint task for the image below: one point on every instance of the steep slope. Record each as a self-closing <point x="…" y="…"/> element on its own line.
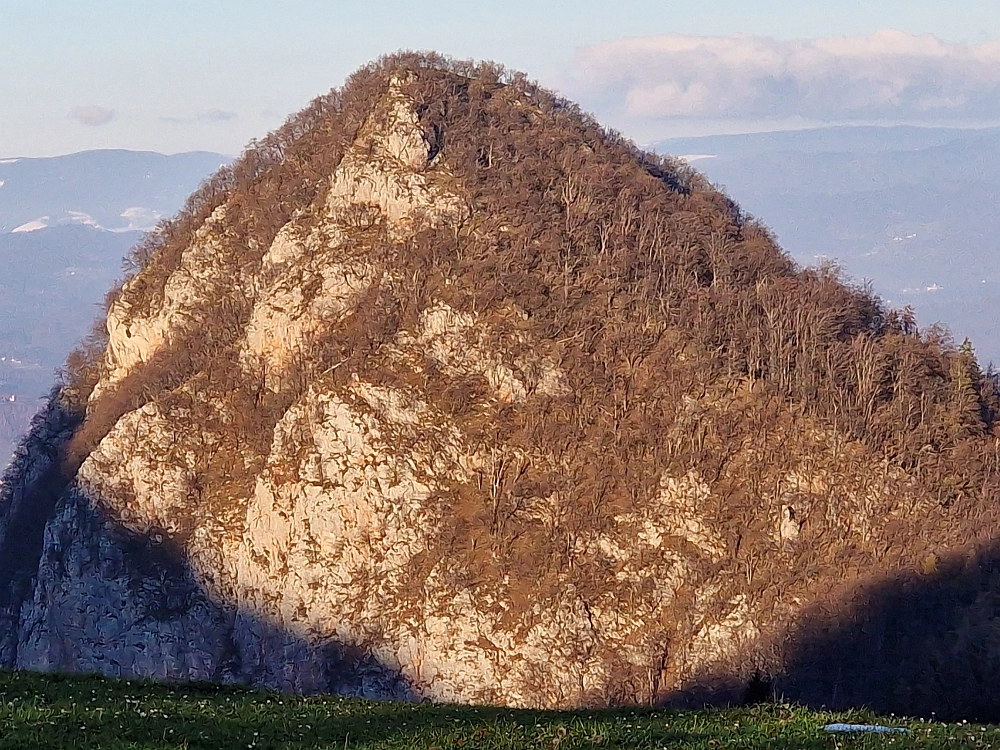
<point x="911" y="209"/>
<point x="442" y="391"/>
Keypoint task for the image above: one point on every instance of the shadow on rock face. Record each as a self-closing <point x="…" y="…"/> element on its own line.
<point x="917" y="644"/>
<point x="29" y="490"/>
<point x="80" y="592"/>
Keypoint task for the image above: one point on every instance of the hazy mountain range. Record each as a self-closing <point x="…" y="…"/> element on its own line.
<point x="913" y="210"/>
<point x="65" y="223"/>
<point x="114" y="190"/>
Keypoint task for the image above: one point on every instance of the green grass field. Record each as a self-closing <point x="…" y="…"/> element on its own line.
<point x="46" y="711"/>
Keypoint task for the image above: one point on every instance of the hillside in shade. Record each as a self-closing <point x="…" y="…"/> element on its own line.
<point x="442" y="391"/>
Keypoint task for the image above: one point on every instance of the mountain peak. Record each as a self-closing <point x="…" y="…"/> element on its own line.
<point x="442" y="391"/>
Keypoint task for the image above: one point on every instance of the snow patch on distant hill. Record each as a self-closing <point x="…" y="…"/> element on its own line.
<point x="32" y="226"/>
<point x="137" y="219"/>
<point x="79" y="217"/>
<point x="141" y="219"/>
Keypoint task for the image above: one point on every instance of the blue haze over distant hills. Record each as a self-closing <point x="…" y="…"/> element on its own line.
<point x="116" y="190"/>
<point x="65" y="224"/>
<point x="913" y="210"/>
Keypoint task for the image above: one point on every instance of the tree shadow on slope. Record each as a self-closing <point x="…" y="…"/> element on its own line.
<point x="128" y="604"/>
<point x="919" y="644"/>
<point x="83" y="593"/>
<point x="80" y="591"/>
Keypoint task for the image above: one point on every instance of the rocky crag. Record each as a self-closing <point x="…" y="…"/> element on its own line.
<point x="442" y="391"/>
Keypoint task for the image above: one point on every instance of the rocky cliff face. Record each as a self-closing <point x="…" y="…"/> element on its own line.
<point x="453" y="420"/>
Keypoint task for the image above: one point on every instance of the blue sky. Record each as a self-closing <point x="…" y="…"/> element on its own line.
<point x="182" y="75"/>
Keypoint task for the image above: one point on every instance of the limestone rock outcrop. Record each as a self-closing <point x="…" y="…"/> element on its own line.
<point x="449" y="394"/>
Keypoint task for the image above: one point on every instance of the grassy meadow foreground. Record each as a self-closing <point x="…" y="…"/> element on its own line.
<point x="53" y="711"/>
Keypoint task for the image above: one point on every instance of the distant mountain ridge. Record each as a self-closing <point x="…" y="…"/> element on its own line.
<point x="914" y="210"/>
<point x="868" y="139"/>
<point x="65" y="224"/>
<point x="116" y="190"/>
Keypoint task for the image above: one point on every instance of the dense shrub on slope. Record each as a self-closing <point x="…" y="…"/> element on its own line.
<point x="443" y="390"/>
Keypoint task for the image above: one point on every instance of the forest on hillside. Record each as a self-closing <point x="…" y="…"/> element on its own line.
<point x="596" y="233"/>
<point x="694" y="350"/>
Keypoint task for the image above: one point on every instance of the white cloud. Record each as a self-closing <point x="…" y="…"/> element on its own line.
<point x="886" y="75"/>
<point x="91" y="115"/>
<point x="211" y="115"/>
<point x="217" y="115"/>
